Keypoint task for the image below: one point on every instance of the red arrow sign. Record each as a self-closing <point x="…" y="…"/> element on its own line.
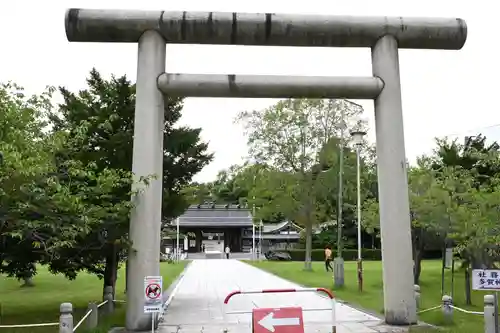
<point x="278" y="320"/>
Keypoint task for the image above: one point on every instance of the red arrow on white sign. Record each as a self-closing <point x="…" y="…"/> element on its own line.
<point x="269" y="322"/>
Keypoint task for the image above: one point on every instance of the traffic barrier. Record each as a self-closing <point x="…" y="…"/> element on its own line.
<point x="270" y="319"/>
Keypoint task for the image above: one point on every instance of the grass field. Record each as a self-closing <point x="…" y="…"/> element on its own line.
<point x="40" y="304"/>
<point x="372" y="296"/>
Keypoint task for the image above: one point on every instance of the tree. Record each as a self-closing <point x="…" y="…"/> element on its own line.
<point x="481" y="159"/>
<point x="102" y="117"/>
<point x="23" y="161"/>
<point x="289" y="136"/>
<point x="327" y="188"/>
<point x="432" y="200"/>
<point x="41" y="214"/>
<point x="197" y="193"/>
<point x="452" y="203"/>
<point x="228" y="188"/>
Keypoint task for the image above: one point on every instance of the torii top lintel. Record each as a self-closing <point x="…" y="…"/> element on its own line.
<point x="219" y="28"/>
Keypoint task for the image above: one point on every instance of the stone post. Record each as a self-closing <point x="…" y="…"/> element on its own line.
<point x="447" y="309"/>
<point x="489" y="314"/>
<point x="417" y="295"/>
<point x="66" y="318"/>
<point x="93" y="318"/>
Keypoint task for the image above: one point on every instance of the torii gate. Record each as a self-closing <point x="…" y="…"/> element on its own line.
<point x="384" y="35"/>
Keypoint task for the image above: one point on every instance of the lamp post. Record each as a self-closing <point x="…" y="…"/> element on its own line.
<point x="358" y="141"/>
<point x="177" y="245"/>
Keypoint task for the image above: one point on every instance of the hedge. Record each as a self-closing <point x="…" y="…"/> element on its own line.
<point x="348" y="254"/>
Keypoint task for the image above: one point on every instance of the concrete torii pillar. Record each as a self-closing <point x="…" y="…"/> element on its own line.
<point x="384" y="35"/>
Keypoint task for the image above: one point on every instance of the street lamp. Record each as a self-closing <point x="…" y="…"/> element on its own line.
<point x="177" y="240"/>
<point x="357" y="137"/>
<point x="338" y="263"/>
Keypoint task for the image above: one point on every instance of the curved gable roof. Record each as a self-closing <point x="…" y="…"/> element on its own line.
<point x="268" y="228"/>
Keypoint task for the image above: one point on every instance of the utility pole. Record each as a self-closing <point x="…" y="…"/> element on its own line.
<point x="338" y="262"/>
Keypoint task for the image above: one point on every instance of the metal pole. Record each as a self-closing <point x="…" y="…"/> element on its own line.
<point x="399" y="302"/>
<point x="360" y="259"/>
<point x="253" y="221"/>
<point x="177" y="236"/>
<point x="260" y="239"/>
<point x="145" y="218"/>
<point x="253" y="241"/>
<point x="338" y="264"/>
<point x="452" y="276"/>
<point x="495" y="304"/>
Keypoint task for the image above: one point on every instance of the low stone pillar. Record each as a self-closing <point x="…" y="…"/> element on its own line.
<point x="489" y="314"/>
<point x="446" y="309"/>
<point x="66" y="318"/>
<point x="93" y="318"/>
<point x="416" y="288"/>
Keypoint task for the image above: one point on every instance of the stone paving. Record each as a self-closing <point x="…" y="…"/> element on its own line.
<point x="197" y="305"/>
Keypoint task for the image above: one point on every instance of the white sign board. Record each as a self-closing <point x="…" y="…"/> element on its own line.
<point x="153" y="290"/>
<point x="485" y="279"/>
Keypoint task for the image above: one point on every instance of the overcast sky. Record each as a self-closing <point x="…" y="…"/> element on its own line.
<point x="444" y="92"/>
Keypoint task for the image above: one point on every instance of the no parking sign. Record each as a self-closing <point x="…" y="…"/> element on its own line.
<point x="153" y="290"/>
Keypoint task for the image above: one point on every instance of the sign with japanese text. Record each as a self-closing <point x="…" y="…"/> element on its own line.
<point x="485" y="279"/>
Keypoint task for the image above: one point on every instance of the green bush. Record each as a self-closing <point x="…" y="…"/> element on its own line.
<point x="319" y="254"/>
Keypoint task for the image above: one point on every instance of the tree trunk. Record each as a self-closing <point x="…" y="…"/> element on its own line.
<point x="307" y="262"/>
<point x="111" y="270"/>
<point x="418" y="245"/>
<point x="417" y="269"/>
<point x="468" y="298"/>
<point x="28" y="282"/>
<point x="126" y="275"/>
<point x="28" y="275"/>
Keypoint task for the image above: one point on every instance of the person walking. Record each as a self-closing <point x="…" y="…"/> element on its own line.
<point x="328" y="259"/>
<point x="228" y="250"/>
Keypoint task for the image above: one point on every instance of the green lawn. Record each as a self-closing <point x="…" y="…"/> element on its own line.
<point x="40" y="304"/>
<point x="372" y="296"/>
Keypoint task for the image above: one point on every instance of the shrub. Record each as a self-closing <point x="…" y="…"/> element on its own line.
<point x="349" y="254"/>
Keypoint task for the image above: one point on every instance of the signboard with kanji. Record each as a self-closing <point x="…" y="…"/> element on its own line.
<point x="278" y="320"/>
<point x="485" y="279"/>
<point x="153" y="289"/>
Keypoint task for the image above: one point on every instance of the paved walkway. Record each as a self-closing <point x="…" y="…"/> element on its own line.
<point x="197" y="305"/>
